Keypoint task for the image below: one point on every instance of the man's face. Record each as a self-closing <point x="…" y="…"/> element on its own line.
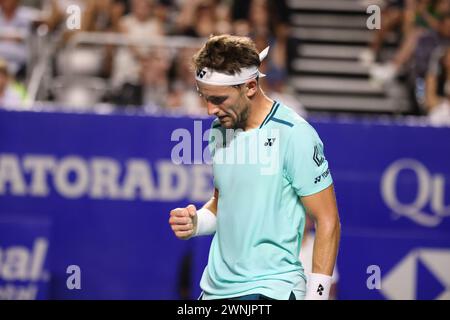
<point x="229" y="104"/>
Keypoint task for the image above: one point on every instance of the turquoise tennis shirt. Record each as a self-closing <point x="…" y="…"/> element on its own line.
<point x="260" y="175"/>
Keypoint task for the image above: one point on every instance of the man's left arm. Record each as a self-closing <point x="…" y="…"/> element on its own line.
<point x="322" y="208"/>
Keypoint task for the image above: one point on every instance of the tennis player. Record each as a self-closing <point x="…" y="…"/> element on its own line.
<point x="258" y="215"/>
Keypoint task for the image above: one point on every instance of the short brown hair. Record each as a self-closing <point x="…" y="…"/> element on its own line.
<point x="227" y="54"/>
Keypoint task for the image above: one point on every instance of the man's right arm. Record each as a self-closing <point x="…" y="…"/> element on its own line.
<point x="188" y="222"/>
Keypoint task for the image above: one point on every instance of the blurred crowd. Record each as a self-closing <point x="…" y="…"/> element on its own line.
<point x="144" y="73"/>
<point x="135" y="74"/>
<point x="423" y="54"/>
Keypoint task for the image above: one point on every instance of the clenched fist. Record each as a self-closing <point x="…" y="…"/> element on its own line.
<point x="183" y="221"/>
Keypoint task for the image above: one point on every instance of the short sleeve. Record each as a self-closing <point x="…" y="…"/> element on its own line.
<point x="305" y="164"/>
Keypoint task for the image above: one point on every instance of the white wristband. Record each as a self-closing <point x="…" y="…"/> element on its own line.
<point x="318" y="287"/>
<point x="206" y="222"/>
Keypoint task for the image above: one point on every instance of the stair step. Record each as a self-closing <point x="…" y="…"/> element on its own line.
<point x="329" y="20"/>
<point x="353" y="103"/>
<point x="330" y="66"/>
<point x="328" y="5"/>
<point x="330" y="51"/>
<point x="315" y="84"/>
<point x="334" y="35"/>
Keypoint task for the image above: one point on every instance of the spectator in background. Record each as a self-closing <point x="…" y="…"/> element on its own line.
<point x="103" y="16"/>
<point x="393" y="16"/>
<point x="183" y="97"/>
<point x="427" y="16"/>
<point x="154" y="75"/>
<point x="438" y="90"/>
<point x="202" y="18"/>
<point x="16" y="24"/>
<point x="55" y="12"/>
<point x="265" y="26"/>
<point x="428" y="43"/>
<point x="9" y="96"/>
<point x="139" y="25"/>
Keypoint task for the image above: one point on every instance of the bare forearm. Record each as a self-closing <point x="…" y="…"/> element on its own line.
<point x="326" y="246"/>
<point x="211" y="205"/>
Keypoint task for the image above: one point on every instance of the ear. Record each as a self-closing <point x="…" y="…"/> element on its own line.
<point x="251" y="88"/>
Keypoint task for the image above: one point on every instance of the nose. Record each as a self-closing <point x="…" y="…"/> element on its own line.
<point x="212" y="108"/>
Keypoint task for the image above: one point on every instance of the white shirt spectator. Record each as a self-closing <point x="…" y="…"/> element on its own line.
<point x="13" y="37"/>
<point x="440" y="114"/>
<point x="10" y="99"/>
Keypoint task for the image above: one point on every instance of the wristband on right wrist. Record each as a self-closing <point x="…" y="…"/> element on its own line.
<point x="206" y="222"/>
<point x="318" y="287"/>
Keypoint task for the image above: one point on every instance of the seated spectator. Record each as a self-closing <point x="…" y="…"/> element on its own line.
<point x="428" y="43"/>
<point x="55" y="15"/>
<point x="103" y="16"/>
<point x="202" y="18"/>
<point x="183" y="97"/>
<point x="10" y="98"/>
<point x="393" y="16"/>
<point x="265" y="27"/>
<point x="139" y="25"/>
<point x="438" y="90"/>
<point x="152" y="85"/>
<point x="15" y="27"/>
<point x="427" y="17"/>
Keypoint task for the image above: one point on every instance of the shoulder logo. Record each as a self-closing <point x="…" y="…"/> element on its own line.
<point x="317" y="157"/>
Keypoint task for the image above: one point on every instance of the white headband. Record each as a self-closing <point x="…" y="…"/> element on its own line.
<point x="209" y="76"/>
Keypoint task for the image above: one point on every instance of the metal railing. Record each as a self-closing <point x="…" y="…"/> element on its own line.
<point x="100" y="39"/>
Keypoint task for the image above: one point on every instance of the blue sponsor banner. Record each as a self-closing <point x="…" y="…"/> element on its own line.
<point x="393" y="189"/>
<point x="24" y="259"/>
<point x="106" y="185"/>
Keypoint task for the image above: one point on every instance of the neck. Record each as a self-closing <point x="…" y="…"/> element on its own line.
<point x="259" y="108"/>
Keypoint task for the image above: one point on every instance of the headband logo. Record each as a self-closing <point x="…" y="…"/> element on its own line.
<point x="201" y="73"/>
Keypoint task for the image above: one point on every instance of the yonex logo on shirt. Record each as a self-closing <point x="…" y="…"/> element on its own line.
<point x="270" y="142"/>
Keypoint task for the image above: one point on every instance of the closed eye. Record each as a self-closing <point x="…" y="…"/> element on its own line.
<point x="217" y="100"/>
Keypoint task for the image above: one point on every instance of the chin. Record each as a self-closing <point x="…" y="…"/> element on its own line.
<point x="227" y="125"/>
